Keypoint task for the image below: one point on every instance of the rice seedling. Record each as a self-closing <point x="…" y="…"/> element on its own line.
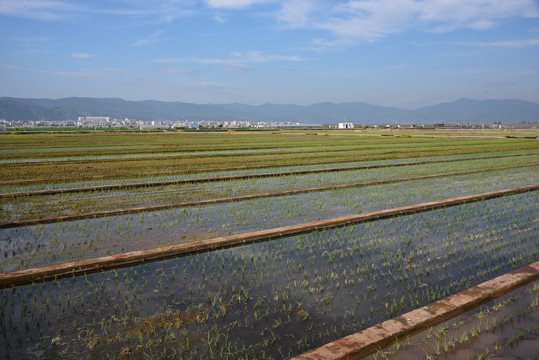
<point x="271" y="299"/>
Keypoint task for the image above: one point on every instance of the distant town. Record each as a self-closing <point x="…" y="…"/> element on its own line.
<point x="104" y="122"/>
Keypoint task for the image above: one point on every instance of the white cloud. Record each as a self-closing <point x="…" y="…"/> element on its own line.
<point x="155" y="37"/>
<point x="77" y="74"/>
<point x="176" y="70"/>
<point x="82" y="55"/>
<point x="295" y="13"/>
<point x="208" y="61"/>
<point x="36" y="9"/>
<point x="169" y="11"/>
<point x="235" y="4"/>
<point x="228" y="65"/>
<point x="508" y="43"/>
<point x="475" y="14"/>
<point x="256" y="56"/>
<point x="7" y="66"/>
<point x="117" y="70"/>
<point x="370" y="20"/>
<point x="237" y="67"/>
<point x="162" y="10"/>
<point x="168" y="66"/>
<point x="240" y="61"/>
<point x="345" y="22"/>
<point x="220" y="18"/>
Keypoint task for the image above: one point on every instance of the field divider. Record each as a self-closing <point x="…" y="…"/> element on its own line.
<point x="370" y="340"/>
<point x="160" y="155"/>
<point x="205" y="154"/>
<point x="99" y="214"/>
<point x="233" y="177"/>
<point x="245" y="167"/>
<point x="76" y="268"/>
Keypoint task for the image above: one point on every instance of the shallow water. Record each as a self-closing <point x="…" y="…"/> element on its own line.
<point x="505" y="328"/>
<point x="273" y="299"/>
<point x="45" y="244"/>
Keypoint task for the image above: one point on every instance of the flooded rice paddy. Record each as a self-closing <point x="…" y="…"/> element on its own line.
<point x="278" y="298"/>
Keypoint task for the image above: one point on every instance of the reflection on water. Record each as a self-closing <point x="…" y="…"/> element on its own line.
<point x="273" y="299"/>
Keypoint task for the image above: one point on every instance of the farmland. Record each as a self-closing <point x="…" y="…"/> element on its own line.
<point x="81" y="197"/>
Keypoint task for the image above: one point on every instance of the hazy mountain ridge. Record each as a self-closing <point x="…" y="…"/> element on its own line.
<point x="459" y="111"/>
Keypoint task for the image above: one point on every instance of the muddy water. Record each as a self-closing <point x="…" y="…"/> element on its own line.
<point x="506" y="328"/>
<point x="274" y="299"/>
<point x="61" y="242"/>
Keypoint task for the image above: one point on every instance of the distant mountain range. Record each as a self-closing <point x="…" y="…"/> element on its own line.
<point x="460" y="111"/>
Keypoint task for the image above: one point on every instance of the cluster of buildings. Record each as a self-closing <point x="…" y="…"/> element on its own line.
<point x="107" y="122"/>
<point x="4" y="125"/>
<point x="233" y="124"/>
<point x="516" y="126"/>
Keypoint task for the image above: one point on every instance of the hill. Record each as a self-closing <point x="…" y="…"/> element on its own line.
<point x="460" y="111"/>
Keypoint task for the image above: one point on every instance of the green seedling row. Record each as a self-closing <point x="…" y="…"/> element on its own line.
<point x="505" y="327"/>
<point x="274" y="299"/>
<point x="31" y="207"/>
<point x="45" y="244"/>
<point x="269" y="300"/>
<point x="360" y="149"/>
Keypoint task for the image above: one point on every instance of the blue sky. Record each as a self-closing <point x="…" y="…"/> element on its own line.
<point x="402" y="53"/>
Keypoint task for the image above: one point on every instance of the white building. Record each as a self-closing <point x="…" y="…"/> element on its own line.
<point x="98" y="119"/>
<point x="346" y="126"/>
<point x="93" y="121"/>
